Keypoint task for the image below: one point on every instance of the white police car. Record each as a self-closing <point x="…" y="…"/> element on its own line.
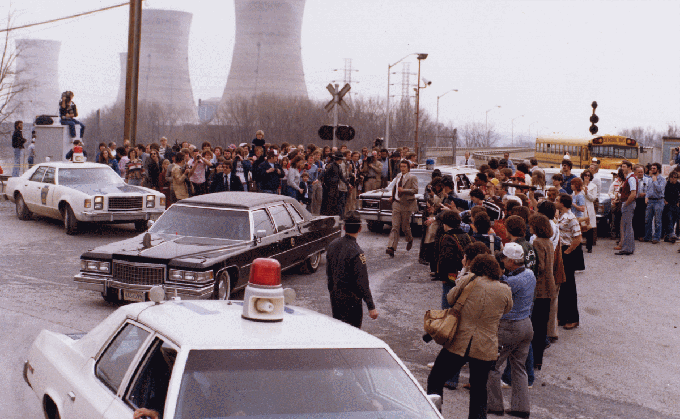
<point x="82" y="192"/>
<point x="216" y="359"/>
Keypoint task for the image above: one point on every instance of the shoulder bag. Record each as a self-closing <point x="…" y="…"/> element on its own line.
<point x="442" y="325"/>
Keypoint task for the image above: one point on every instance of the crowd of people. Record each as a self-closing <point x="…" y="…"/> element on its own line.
<point x="537" y="233"/>
<point x="325" y="179"/>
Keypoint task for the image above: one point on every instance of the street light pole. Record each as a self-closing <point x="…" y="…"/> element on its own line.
<point x="512" y="141"/>
<point x="388" y="114"/>
<point x="415" y="140"/>
<point x="530" y="129"/>
<point x="437" y="139"/>
<point x="486" y="126"/>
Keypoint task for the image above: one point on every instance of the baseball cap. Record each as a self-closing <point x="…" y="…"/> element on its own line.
<point x="513" y="251"/>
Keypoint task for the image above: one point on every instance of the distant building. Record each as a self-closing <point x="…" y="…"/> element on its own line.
<point x="267" y="53"/>
<point x="164" y="63"/>
<point x="37" y="67"/>
<point x="207" y="108"/>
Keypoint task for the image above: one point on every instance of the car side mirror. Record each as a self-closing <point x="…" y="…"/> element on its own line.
<point x="149" y="224"/>
<point x="259" y="234"/>
<point x="436" y="400"/>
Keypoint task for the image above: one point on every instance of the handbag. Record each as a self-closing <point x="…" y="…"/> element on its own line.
<point x="442" y="325"/>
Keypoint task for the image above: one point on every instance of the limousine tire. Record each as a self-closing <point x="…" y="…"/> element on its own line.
<point x="375" y="226"/>
<point x="110" y="295"/>
<point x="140" y="226"/>
<point x="22" y="210"/>
<point x="70" y="221"/>
<point x="222" y="286"/>
<point x="311" y="263"/>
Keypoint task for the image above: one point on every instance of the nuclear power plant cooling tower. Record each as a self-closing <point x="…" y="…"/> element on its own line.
<point x="267" y="52"/>
<point x="164" y="63"/>
<point x="37" y="78"/>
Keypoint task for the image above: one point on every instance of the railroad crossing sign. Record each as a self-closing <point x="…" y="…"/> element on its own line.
<point x="337" y="97"/>
<point x="334" y="103"/>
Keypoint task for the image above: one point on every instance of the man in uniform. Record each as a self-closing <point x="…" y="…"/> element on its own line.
<point x="348" y="276"/>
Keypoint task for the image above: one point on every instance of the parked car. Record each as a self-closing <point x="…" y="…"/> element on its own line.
<point x="82" y="192"/>
<point x="603" y="204"/>
<point x="217" y="359"/>
<point x="375" y="207"/>
<point x="202" y="247"/>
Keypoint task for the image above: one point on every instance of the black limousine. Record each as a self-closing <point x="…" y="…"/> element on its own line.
<point x="202" y="247"/>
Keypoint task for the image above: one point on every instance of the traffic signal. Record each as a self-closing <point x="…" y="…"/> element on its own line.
<point x="345" y="133"/>
<point x="594" y="119"/>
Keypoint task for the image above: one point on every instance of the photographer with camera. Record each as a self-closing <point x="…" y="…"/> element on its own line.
<point x="372" y="170"/>
<point x="68" y="113"/>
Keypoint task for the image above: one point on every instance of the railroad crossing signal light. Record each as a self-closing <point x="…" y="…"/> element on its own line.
<point x="345" y="133"/>
<point x="594" y="119"/>
<point x="326" y="132"/>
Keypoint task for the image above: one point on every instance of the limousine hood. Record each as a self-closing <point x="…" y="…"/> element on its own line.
<point x="164" y="248"/>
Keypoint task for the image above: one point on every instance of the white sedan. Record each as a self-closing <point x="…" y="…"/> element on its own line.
<point x="215" y="359"/>
<point x="82" y="192"/>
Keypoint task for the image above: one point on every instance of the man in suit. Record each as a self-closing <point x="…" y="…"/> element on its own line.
<point x="270" y="174"/>
<point x="224" y="180"/>
<point x="469" y="161"/>
<point x="403" y="206"/>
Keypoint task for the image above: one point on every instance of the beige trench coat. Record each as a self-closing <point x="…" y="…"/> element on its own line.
<point x="480" y="317"/>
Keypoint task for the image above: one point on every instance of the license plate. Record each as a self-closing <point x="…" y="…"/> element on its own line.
<point x="139" y="296"/>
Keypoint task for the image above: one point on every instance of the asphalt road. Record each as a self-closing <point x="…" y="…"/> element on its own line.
<point x="622" y="362"/>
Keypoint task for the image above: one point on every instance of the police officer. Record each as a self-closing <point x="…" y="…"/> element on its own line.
<point x="348" y="276"/>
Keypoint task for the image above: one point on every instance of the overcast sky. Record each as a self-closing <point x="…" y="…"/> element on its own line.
<point x="546" y="60"/>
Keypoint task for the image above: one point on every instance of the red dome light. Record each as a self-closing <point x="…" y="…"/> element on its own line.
<point x="265" y="271"/>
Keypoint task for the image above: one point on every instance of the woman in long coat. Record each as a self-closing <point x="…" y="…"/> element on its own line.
<point x="476" y="339"/>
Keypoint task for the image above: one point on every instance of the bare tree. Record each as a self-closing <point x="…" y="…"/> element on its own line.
<point x="9" y="86"/>
<point x="476" y="134"/>
<point x="648" y="137"/>
<point x="672" y="131"/>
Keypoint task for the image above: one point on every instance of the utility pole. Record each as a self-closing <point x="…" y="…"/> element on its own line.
<point x="132" y="71"/>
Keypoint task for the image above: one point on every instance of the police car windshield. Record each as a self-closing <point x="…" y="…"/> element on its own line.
<point x="298" y="383"/>
<point x="89" y="176"/>
<point x="182" y="220"/>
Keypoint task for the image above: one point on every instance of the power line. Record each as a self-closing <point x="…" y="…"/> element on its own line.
<point x="64" y="18"/>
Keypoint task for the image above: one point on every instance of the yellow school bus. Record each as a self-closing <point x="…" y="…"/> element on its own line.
<point x="609" y="149"/>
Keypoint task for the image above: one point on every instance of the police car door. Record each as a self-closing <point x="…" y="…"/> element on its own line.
<point x="93" y="389"/>
<point x="47" y="193"/>
<point x="148" y="386"/>
<point x="31" y="189"/>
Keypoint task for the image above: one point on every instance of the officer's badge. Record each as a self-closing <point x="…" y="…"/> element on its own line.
<point x="363" y="258"/>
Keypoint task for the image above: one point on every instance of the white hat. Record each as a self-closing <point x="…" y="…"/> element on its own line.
<point x="508" y="198"/>
<point x="513" y="251"/>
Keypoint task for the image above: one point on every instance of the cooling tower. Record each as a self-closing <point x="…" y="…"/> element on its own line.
<point x="38" y="78"/>
<point x="267" y="52"/>
<point x="164" y="63"/>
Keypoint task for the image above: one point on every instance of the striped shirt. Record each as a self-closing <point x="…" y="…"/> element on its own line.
<point x="569" y="228"/>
